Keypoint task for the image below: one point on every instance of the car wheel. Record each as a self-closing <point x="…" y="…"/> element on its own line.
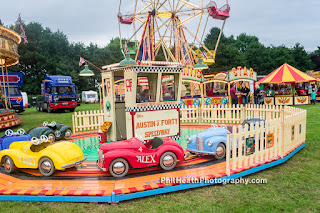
<point x="46" y="167"/>
<point x="41" y="108"/>
<point x="8" y="164"/>
<point x="48" y="108"/>
<point x="168" y="160"/>
<point x="38" y="108"/>
<point x="220" y="151"/>
<point x="68" y="134"/>
<point x="119" y="167"/>
<point x="51" y="137"/>
<point x="72" y="110"/>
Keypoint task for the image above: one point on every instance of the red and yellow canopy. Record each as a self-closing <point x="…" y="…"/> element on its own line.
<point x="286" y="74"/>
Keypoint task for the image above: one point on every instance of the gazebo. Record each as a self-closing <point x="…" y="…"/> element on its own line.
<point x="287" y="86"/>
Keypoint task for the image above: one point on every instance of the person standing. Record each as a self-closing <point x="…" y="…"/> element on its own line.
<point x="256" y="94"/>
<point x="233" y="94"/>
<point x="245" y="92"/>
<point x="313" y="97"/>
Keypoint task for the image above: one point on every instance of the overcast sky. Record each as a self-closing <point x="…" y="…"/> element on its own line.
<point x="274" y="22"/>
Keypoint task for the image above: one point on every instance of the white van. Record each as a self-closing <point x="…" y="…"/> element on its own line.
<point x="25" y="99"/>
<point x="89" y="96"/>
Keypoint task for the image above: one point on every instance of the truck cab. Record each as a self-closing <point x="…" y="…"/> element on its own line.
<point x="59" y="94"/>
<point x="11" y="85"/>
<point x="142" y="100"/>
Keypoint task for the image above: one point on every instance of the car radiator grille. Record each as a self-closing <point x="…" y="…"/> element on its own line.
<point x="100" y="156"/>
<point x="200" y="143"/>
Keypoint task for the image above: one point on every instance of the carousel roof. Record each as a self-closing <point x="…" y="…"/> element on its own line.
<point x="286" y="74"/>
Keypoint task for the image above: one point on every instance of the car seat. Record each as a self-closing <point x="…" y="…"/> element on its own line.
<point x="157" y="142"/>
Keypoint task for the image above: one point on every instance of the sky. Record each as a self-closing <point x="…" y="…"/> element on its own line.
<point x="276" y="22"/>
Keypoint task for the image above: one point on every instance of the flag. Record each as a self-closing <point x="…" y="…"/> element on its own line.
<point x="82" y="60"/>
<point x="126" y="47"/>
<point x="187" y="59"/>
<point x="204" y="54"/>
<point x="22" y="30"/>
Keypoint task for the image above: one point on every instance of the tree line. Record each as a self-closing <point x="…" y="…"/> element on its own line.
<point x="50" y="53"/>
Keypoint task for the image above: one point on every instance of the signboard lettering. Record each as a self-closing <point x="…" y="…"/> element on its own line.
<point x="239" y="72"/>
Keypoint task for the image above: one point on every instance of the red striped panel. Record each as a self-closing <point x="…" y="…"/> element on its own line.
<point x="71" y="192"/>
<point x="28" y="192"/>
<point x="85" y="193"/>
<point x="133" y="189"/>
<point x="117" y="192"/>
<point x="15" y="192"/>
<point x="57" y="192"/>
<point x="147" y="187"/>
<point x="43" y="192"/>
<point x="2" y="191"/>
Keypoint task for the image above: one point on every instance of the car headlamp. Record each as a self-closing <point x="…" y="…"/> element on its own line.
<point x="188" y="140"/>
<point x="210" y="143"/>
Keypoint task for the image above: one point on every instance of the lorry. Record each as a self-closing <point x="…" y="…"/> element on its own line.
<point x="59" y="93"/>
<point x="11" y="85"/>
<point x="89" y="97"/>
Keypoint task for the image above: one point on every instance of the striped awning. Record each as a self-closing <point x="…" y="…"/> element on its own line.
<point x="286" y="74"/>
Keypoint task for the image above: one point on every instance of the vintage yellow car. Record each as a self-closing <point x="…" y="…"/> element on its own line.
<point x="41" y="154"/>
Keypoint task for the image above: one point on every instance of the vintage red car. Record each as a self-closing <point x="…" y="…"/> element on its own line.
<point x="117" y="157"/>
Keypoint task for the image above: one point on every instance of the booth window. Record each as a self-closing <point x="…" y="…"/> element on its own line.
<point x="169" y="88"/>
<point x="146" y="87"/>
<point x="104" y="87"/>
<point x="119" y="89"/>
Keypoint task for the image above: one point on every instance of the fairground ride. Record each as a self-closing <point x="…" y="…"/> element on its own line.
<point x="173" y="28"/>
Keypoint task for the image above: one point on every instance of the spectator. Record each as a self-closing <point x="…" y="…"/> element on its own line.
<point x="245" y="92"/>
<point x="139" y="91"/>
<point x="145" y="97"/>
<point x="256" y="94"/>
<point x="313" y="97"/>
<point x="233" y="94"/>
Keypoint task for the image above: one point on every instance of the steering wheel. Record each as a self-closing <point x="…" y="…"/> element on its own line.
<point x="57" y="133"/>
<point x="45" y="123"/>
<point x="35" y="141"/>
<point x="223" y="126"/>
<point x="44" y="138"/>
<point x="248" y="117"/>
<point x="214" y="125"/>
<point x="53" y="123"/>
<point x="21" y="131"/>
<point x="261" y="117"/>
<point x="8" y="132"/>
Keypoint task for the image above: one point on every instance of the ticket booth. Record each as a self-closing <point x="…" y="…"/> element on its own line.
<point x="142" y="100"/>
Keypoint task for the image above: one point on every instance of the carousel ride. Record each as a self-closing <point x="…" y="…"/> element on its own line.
<point x="9" y="41"/>
<point x="164" y="29"/>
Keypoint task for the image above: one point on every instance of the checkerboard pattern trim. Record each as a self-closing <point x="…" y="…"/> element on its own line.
<point x="158" y="69"/>
<point x="152" y="108"/>
<point x="175" y="138"/>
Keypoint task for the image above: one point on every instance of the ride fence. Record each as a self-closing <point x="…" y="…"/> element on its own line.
<point x="270" y="140"/>
<point x="87" y="120"/>
<point x="229" y="114"/>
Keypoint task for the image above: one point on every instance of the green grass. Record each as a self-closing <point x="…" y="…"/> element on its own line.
<point x="292" y="187"/>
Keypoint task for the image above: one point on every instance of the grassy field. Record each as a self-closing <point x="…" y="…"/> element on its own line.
<point x="292" y="187"/>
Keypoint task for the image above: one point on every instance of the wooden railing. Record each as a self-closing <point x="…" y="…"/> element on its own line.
<point x="87" y="120"/>
<point x="228" y="114"/>
<point x="271" y="140"/>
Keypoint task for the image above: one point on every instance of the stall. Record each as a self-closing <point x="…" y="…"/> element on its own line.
<point x="213" y="88"/>
<point x="287" y="86"/>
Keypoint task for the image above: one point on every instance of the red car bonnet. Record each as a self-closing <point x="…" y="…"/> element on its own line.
<point x="127" y="144"/>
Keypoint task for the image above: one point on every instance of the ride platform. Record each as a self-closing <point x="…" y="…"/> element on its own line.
<point x="89" y="184"/>
<point x="8" y="118"/>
